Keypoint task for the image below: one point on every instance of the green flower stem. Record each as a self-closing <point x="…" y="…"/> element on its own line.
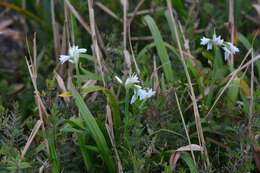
<point x="142" y="104"/>
<point x="77" y="72"/>
<point x="126" y="130"/>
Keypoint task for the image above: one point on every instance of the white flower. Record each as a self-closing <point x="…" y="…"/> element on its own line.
<point x="73" y="55"/>
<point x="142" y="94"/>
<point x="206" y="41"/>
<point x="134" y="97"/>
<point x="64" y="58"/>
<point x="226" y="53"/>
<point x="145" y="93"/>
<point x="131" y="80"/>
<point x="233" y="49"/>
<point x="229" y="49"/>
<point x="217" y="40"/>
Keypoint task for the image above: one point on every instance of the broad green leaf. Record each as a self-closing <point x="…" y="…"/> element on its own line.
<point x="244" y="41"/>
<point x="160" y="47"/>
<point x="188" y="160"/>
<point x="87" y="75"/>
<point x="112" y="102"/>
<point x="94" y="131"/>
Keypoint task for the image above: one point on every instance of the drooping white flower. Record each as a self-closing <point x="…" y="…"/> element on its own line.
<point x="142" y="94"/>
<point x="206" y="41"/>
<point x="233" y="49"/>
<point x="226" y="53"/>
<point x="64" y="58"/>
<point x="73" y="55"/>
<point x="145" y="93"/>
<point x="217" y="40"/>
<point x="229" y="49"/>
<point x="134" y="97"/>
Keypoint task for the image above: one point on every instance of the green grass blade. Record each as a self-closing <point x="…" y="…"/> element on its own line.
<point x="52" y="151"/>
<point x="94" y="131"/>
<point x="112" y="102"/>
<point x="161" y="49"/>
<point x="188" y="160"/>
<point x="85" y="153"/>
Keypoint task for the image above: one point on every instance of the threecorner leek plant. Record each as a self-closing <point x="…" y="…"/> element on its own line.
<point x="139" y="93"/>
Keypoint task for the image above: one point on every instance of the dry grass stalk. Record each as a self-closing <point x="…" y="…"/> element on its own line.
<point x="96" y="51"/>
<point x="232" y="76"/>
<point x="55" y="30"/>
<point x="232" y="27"/>
<point x="31" y="137"/>
<point x="62" y="86"/>
<point x="251" y="107"/>
<point x="142" y="38"/>
<point x="108" y="11"/>
<point x="125" y="35"/>
<point x="78" y="17"/>
<point x="156" y="84"/>
<point x="132" y="51"/>
<point x="110" y="131"/>
<point x="193" y="97"/>
<point x="125" y="9"/>
<point x="32" y="68"/>
<point x="185" y="127"/>
<point x="148" y="11"/>
<point x="83" y="23"/>
<point x="127" y="61"/>
<point x="135" y="11"/>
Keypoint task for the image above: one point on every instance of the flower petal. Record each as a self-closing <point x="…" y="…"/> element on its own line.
<point x="64" y="58"/>
<point x="82" y="50"/>
<point x="119" y="80"/>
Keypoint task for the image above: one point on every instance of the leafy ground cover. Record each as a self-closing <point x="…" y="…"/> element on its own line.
<point x="129" y="86"/>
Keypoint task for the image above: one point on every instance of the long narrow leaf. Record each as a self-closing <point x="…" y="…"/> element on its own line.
<point x="112" y="102"/>
<point x="94" y="130"/>
<point x="161" y="50"/>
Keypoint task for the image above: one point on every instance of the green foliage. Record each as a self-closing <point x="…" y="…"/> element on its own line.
<point x="94" y="131"/>
<point x="78" y="135"/>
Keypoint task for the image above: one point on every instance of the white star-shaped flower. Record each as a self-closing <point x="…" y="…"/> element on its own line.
<point x="229" y="49"/>
<point x="130" y="81"/>
<point x="217" y="40"/>
<point x="142" y="94"/>
<point x="73" y="55"/>
<point x="206" y="41"/>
